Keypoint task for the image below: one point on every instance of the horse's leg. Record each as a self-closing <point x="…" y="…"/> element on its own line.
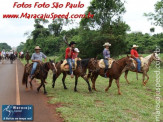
<point x="143" y="82"/>
<point x="93" y="79"/>
<point x="126" y="73"/>
<point x="117" y="82"/>
<point x="63" y="80"/>
<point x="55" y="76"/>
<point x="43" y="82"/>
<point x="38" y="89"/>
<point x="110" y="83"/>
<point x="31" y="85"/>
<point x="89" y="87"/>
<point x="147" y="78"/>
<point x="76" y="83"/>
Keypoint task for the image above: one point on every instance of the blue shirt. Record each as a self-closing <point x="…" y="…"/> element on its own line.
<point x="38" y="56"/>
<point x="106" y="53"/>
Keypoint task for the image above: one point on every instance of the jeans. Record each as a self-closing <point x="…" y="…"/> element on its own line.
<point x="106" y="63"/>
<point x="139" y="63"/>
<point x="69" y="61"/>
<point x="34" y="68"/>
<point x="73" y="61"/>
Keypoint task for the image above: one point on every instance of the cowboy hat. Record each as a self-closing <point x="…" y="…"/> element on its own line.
<point x="76" y="50"/>
<point x="37" y="48"/>
<point x="71" y="43"/>
<point x="107" y="44"/>
<point x="134" y="46"/>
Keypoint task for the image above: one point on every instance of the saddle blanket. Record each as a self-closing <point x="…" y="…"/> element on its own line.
<point x="65" y="66"/>
<point x="102" y="64"/>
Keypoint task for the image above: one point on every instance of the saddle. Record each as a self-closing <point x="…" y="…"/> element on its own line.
<point x="28" y="68"/>
<point x="142" y="61"/>
<point x="65" y="66"/>
<point x="102" y="64"/>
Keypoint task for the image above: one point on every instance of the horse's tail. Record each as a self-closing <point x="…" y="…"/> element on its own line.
<point x="24" y="80"/>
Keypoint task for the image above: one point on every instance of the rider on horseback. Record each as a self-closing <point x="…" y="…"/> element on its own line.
<point x="106" y="55"/>
<point x="135" y="56"/>
<point x="68" y="56"/>
<point x="36" y="58"/>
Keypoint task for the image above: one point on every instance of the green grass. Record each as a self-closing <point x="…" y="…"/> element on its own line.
<point x="137" y="102"/>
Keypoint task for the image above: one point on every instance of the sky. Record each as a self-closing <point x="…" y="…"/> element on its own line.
<point x="12" y="30"/>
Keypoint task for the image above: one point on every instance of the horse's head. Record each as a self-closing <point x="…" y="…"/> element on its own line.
<point x="93" y="64"/>
<point x="130" y="62"/>
<point x="155" y="57"/>
<point x="51" y="65"/>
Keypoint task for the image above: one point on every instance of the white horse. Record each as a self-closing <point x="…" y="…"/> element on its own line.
<point x="2" y="58"/>
<point x="146" y="62"/>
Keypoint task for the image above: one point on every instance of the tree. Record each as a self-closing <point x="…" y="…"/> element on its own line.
<point x="21" y="47"/>
<point x="157" y="17"/>
<point x="4" y="46"/>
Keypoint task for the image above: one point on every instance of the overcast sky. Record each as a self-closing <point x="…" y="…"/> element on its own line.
<point x="12" y="30"/>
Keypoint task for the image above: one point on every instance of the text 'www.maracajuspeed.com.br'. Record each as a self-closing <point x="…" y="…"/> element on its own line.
<point x="46" y="16"/>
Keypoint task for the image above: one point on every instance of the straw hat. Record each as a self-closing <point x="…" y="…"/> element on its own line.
<point x="107" y="44"/>
<point x="135" y="46"/>
<point x="37" y="48"/>
<point x="76" y="50"/>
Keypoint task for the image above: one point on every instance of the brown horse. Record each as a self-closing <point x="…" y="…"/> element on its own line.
<point x="40" y="73"/>
<point x="80" y="71"/>
<point x="113" y="73"/>
<point x="27" y="57"/>
<point x="147" y="62"/>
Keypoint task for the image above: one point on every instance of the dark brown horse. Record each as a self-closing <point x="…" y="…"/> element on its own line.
<point x="40" y="73"/>
<point x="27" y="57"/>
<point x="80" y="71"/>
<point x="113" y="73"/>
<point x="22" y="56"/>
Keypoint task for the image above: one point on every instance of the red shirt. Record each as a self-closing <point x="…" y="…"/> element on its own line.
<point x="67" y="52"/>
<point x="135" y="53"/>
<point x="75" y="55"/>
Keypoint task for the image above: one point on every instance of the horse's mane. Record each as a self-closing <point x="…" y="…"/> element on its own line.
<point x="83" y="62"/>
<point x="121" y="59"/>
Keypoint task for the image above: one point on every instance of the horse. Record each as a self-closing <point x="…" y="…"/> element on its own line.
<point x="22" y="56"/>
<point x="80" y="71"/>
<point x="112" y="73"/>
<point x="27" y="57"/>
<point x="147" y="62"/>
<point x="2" y="58"/>
<point x="12" y="58"/>
<point x="40" y="73"/>
<point x="7" y="56"/>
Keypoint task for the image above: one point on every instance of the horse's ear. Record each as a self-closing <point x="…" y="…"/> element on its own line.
<point x="50" y="60"/>
<point x="61" y="61"/>
<point x="96" y="58"/>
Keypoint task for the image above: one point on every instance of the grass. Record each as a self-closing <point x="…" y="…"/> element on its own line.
<point x="137" y="102"/>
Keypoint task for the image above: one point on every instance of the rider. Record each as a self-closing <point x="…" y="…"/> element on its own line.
<point x="68" y="56"/>
<point x="36" y="58"/>
<point x="106" y="55"/>
<point x="3" y="53"/>
<point x="75" y="55"/>
<point x="135" y="55"/>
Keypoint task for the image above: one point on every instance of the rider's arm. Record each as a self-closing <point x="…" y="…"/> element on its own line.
<point x="33" y="58"/>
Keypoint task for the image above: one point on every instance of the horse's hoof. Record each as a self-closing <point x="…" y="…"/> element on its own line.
<point x="52" y="86"/>
<point x="65" y="87"/>
<point x="119" y="93"/>
<point x="106" y="90"/>
<point x="75" y="90"/>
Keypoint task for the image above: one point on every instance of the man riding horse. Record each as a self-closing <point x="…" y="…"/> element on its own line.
<point x="135" y="56"/>
<point x="69" y="56"/>
<point x="36" y="59"/>
<point x="106" y="55"/>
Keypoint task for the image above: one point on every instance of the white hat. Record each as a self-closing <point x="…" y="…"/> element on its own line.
<point x="134" y="46"/>
<point x="107" y="44"/>
<point x="76" y="50"/>
<point x="37" y="48"/>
